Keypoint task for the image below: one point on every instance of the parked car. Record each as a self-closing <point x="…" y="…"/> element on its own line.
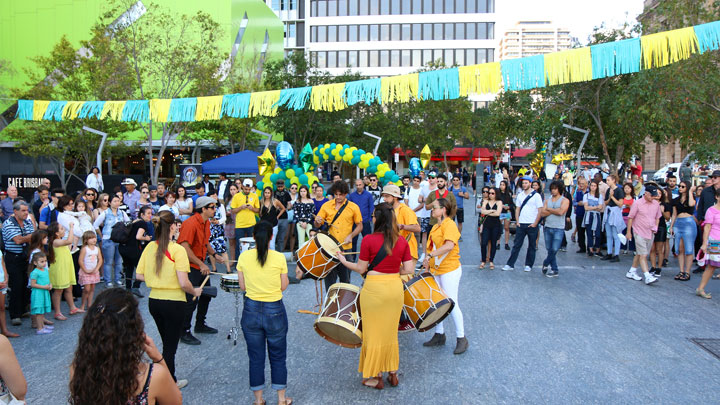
<point x="660" y="175"/>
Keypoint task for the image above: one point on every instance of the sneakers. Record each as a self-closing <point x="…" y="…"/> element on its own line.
<point x="615" y="259"/>
<point x="461" y="346"/>
<point x="16" y="322"/>
<point x="649" y="278"/>
<point x="607" y="257"/>
<point x="406" y="326"/>
<point x="189" y="339"/>
<point x="527" y="269"/>
<point x="656" y="272"/>
<point x="109" y="285"/>
<point x="507" y="267"/>
<point x="507" y="247"/>
<point x="182" y="383"/>
<point x="119" y="283"/>
<point x="545" y="269"/>
<point x="632" y="273"/>
<point x="665" y="262"/>
<point x="551" y="273"/>
<point x="205" y="329"/>
<point x="563" y="249"/>
<point x="438" y="339"/>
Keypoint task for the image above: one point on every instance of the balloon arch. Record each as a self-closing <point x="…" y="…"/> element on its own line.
<point x="283" y="166"/>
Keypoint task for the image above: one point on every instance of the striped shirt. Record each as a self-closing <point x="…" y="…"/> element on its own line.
<point x="11" y="229"/>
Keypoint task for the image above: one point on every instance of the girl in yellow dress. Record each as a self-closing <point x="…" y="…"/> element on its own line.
<point x="62" y="270"/>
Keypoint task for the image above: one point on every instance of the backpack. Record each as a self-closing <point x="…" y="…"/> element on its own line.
<point x="120" y="233"/>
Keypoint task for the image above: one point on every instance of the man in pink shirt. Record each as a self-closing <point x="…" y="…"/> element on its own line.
<point x="643" y="222"/>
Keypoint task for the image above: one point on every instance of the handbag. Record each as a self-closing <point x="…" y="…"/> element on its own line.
<point x="9" y="399"/>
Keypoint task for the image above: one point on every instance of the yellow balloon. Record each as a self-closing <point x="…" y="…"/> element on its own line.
<point x="425" y="156"/>
<point x="266" y="163"/>
<point x="316" y="160"/>
<point x="290" y="173"/>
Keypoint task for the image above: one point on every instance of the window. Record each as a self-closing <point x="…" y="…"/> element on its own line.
<point x="322" y="33"/>
<point x="406" y="32"/>
<point x="291" y="29"/>
<point x="416" y="32"/>
<point x="313" y="58"/>
<point x="448" y="57"/>
<point x="364" y="7"/>
<point x="362" y="58"/>
<point x="352" y="59"/>
<point x="363" y="33"/>
<point x="342" y="33"/>
<point x="438" y="9"/>
<point x="491" y="6"/>
<point x="427" y="32"/>
<point x="490" y="30"/>
<point x="352" y="33"/>
<point x="416" y="57"/>
<point x="374" y="10"/>
<point x="342" y="59"/>
<point x="384" y="32"/>
<point x="481" y="56"/>
<point x="405" y="58"/>
<point x="427" y="56"/>
<point x="449" y="28"/>
<point x="374" y="32"/>
<point x="395" y="32"/>
<point x="332" y="33"/>
<point x="417" y="6"/>
<point x="384" y="58"/>
<point x="313" y="33"/>
<point x="459" y="30"/>
<point x="427" y="7"/>
<point x="384" y="7"/>
<point x="395" y="7"/>
<point x="353" y="7"/>
<point x="490" y="55"/>
<point x="322" y="59"/>
<point x="460" y="57"/>
<point x="342" y="7"/>
<point x="482" y="31"/>
<point x="437" y="31"/>
<point x="406" y="7"/>
<point x="470" y="31"/>
<point x="482" y="6"/>
<point x="332" y="59"/>
<point x="314" y="8"/>
<point x="449" y="6"/>
<point x="374" y="61"/>
<point x="333" y="7"/>
<point x="460" y="6"/>
<point x="322" y="8"/>
<point x="276" y="5"/>
<point x="471" y="7"/>
<point x="470" y="57"/>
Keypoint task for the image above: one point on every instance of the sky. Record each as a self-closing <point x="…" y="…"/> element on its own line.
<point x="580" y="16"/>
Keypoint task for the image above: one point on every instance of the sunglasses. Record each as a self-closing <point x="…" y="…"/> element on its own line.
<point x="492" y="193"/>
<point x="211" y="207"/>
<point x="681" y="187"/>
<point x="90" y="195"/>
<point x="485" y="191"/>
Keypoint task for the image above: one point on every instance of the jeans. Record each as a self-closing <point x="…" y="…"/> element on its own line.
<point x="303" y="233"/>
<point x="580" y="232"/>
<point x="265" y="323"/>
<point x="112" y="261"/>
<point x="553" y="240"/>
<point x="490" y="234"/>
<point x="282" y="228"/>
<point x="521" y="232"/>
<point x="242" y="233"/>
<point x="168" y="316"/>
<point x="367" y="230"/>
<point x="613" y="241"/>
<point x="594" y="238"/>
<point x="450" y="283"/>
<point x="202" y="302"/>
<point x="339" y="271"/>
<point x="16" y="276"/>
<point x="685" y="230"/>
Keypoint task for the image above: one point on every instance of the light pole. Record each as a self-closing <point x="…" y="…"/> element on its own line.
<point x="585" y="133"/>
<point x="98" y="156"/>
<point x="377" y="145"/>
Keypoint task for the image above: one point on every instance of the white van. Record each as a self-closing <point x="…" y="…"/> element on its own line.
<point x="659" y="175"/>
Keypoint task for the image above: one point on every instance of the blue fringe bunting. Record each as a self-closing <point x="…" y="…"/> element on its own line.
<point x="362" y="90"/>
<point x="91" y="109"/>
<point x="181" y="110"/>
<point x="523" y="73"/>
<point x="236" y="105"/>
<point x="25" y="110"/>
<point x="616" y="58"/>
<point x="708" y="36"/>
<point x="293" y="99"/>
<point x="138" y="111"/>
<point x="440" y="84"/>
<point x="54" y="110"/>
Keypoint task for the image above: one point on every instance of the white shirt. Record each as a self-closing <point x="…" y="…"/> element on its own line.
<point x="221" y="189"/>
<point x="413" y="196"/>
<point x="425" y="191"/>
<point x="498" y="179"/>
<point x="65" y="219"/>
<point x="530" y="211"/>
<point x="94" y="181"/>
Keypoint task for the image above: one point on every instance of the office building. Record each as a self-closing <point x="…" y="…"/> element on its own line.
<point x="529" y="38"/>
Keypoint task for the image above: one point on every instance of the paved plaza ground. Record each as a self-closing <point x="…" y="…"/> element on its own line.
<point x="588" y="336"/>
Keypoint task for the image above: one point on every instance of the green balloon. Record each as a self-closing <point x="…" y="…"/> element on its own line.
<point x="306" y="158"/>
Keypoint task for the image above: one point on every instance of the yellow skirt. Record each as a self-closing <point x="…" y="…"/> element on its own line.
<point x="381" y="302"/>
<point x="62" y="272"/>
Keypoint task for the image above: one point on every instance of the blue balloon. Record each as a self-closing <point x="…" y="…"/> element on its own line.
<point x="355" y="160"/>
<point x="415" y="166"/>
<point x="372" y="169"/>
<point x="303" y="179"/>
<point x="260" y="185"/>
<point x="284" y="155"/>
<point x="389" y="174"/>
<point x="395" y="178"/>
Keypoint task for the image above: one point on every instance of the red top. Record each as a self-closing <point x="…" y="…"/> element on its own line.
<point x="637" y="170"/>
<point x="372" y="244"/>
<point x="196" y="233"/>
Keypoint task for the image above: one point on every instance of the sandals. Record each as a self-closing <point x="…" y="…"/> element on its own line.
<point x="685" y="277"/>
<point x="492" y="266"/>
<point x="76" y="311"/>
<point x="481" y="266"/>
<point x="701" y="293"/>
<point x="392" y="379"/>
<point x="60" y="317"/>
<point x="380" y="385"/>
<point x="287" y="401"/>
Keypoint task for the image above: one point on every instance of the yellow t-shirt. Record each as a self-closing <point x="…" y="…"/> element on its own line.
<point x="343" y="226"/>
<point x="439" y="233"/>
<point x="245" y="218"/>
<point x="262" y="283"/>
<point x="406" y="216"/>
<point x="166" y="285"/>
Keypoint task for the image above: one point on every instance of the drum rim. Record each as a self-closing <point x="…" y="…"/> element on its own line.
<point x="347" y="286"/>
<point x="433" y="309"/>
<point x="326" y="253"/>
<point x="335" y="341"/>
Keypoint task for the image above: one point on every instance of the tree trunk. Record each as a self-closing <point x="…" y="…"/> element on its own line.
<point x="149" y="150"/>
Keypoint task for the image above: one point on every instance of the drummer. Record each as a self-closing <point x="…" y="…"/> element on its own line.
<point x="381" y="298"/>
<point x="407" y="224"/>
<point x="340" y="214"/>
<point x="443" y="261"/>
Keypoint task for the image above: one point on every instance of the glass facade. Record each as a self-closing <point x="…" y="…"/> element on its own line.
<point x="402" y="32"/>
<point x="400" y="57"/>
<point x="342" y="8"/>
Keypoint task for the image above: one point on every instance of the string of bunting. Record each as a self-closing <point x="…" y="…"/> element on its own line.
<point x="569" y="66"/>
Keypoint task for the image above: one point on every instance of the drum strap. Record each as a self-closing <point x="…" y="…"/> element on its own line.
<point x="337" y="214"/>
<point x="381" y="255"/>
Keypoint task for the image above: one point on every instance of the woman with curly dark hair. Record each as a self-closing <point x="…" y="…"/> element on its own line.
<point x="108" y="366"/>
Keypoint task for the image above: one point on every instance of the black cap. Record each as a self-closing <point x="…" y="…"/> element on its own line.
<point x="652" y="190"/>
<point x="715" y="173"/>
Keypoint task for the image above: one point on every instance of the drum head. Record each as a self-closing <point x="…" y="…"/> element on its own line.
<point x="230" y="277"/>
<point x="339" y="334"/>
<point x="328" y="244"/>
<point x="435" y="316"/>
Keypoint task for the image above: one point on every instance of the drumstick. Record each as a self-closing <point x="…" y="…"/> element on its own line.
<point x="305" y="311"/>
<point x="325" y="222"/>
<point x="203" y="284"/>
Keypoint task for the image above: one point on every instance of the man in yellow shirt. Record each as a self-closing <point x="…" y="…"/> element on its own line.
<point x="244" y="205"/>
<point x="341" y="214"/>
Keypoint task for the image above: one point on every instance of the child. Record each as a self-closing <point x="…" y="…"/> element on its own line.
<point x="62" y="270"/>
<point x="84" y="220"/>
<point x="3" y="290"/>
<point x="40" y="296"/>
<point x="90" y="263"/>
<point x="38" y="241"/>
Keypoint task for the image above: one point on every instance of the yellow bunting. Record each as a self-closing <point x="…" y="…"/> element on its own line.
<point x="72" y="109"/>
<point x="263" y="103"/>
<point x="480" y="79"/>
<point x="208" y="108"/>
<point x="574" y="65"/>
<point x="266" y="163"/>
<point x="425" y="155"/>
<point x="668" y="47"/>
<point x="113" y="109"/>
<point x="328" y="97"/>
<point x="159" y="109"/>
<point x="39" y="108"/>
<point x="399" y="88"/>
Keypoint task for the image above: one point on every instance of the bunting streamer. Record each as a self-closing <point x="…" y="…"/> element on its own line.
<point x="574" y="65"/>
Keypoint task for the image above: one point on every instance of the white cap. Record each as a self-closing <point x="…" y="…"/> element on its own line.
<point x="247" y="183"/>
<point x="128" y="181"/>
